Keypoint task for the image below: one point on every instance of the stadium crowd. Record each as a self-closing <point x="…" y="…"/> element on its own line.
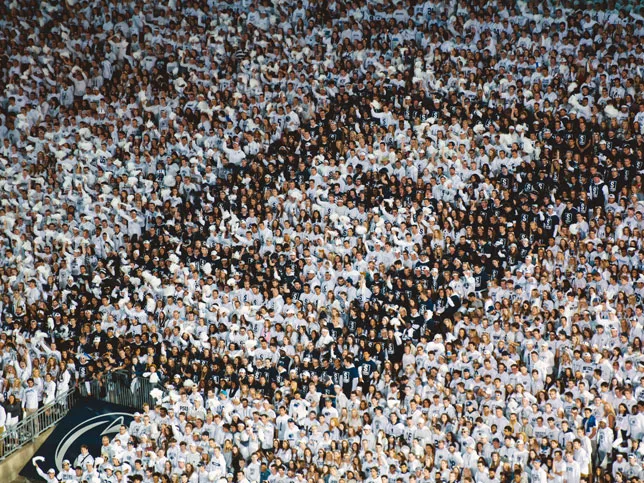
<point x="390" y="242"/>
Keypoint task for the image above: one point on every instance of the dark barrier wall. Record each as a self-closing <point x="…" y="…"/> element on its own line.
<point x="84" y="424"/>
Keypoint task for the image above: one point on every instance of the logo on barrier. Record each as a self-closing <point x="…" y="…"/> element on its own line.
<point x="111" y="421"/>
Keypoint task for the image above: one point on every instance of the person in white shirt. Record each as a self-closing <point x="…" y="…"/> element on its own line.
<point x="3" y="419"/>
<point x="49" y="477"/>
<point x="538" y="473"/>
<point x="573" y="470"/>
<point x="29" y="397"/>
<point x="67" y="474"/>
<point x="235" y="155"/>
<point x="558" y="467"/>
<point x="49" y="390"/>
<point x="582" y="457"/>
<point x="605" y="438"/>
<point x="84" y="458"/>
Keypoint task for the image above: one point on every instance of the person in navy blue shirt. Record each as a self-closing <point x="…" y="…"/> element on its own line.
<point x="350" y="376"/>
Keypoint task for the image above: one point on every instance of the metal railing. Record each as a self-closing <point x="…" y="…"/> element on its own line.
<point x="115" y="387"/>
<point x="119" y="387"/>
<point x="30" y="427"/>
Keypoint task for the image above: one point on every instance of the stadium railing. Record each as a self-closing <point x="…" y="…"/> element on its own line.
<point x="30" y="427"/>
<point x="118" y="387"/>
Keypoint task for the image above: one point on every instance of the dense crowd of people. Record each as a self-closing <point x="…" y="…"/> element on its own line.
<point x="354" y="240"/>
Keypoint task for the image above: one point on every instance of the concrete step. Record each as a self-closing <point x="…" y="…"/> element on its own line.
<point x="12" y="466"/>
